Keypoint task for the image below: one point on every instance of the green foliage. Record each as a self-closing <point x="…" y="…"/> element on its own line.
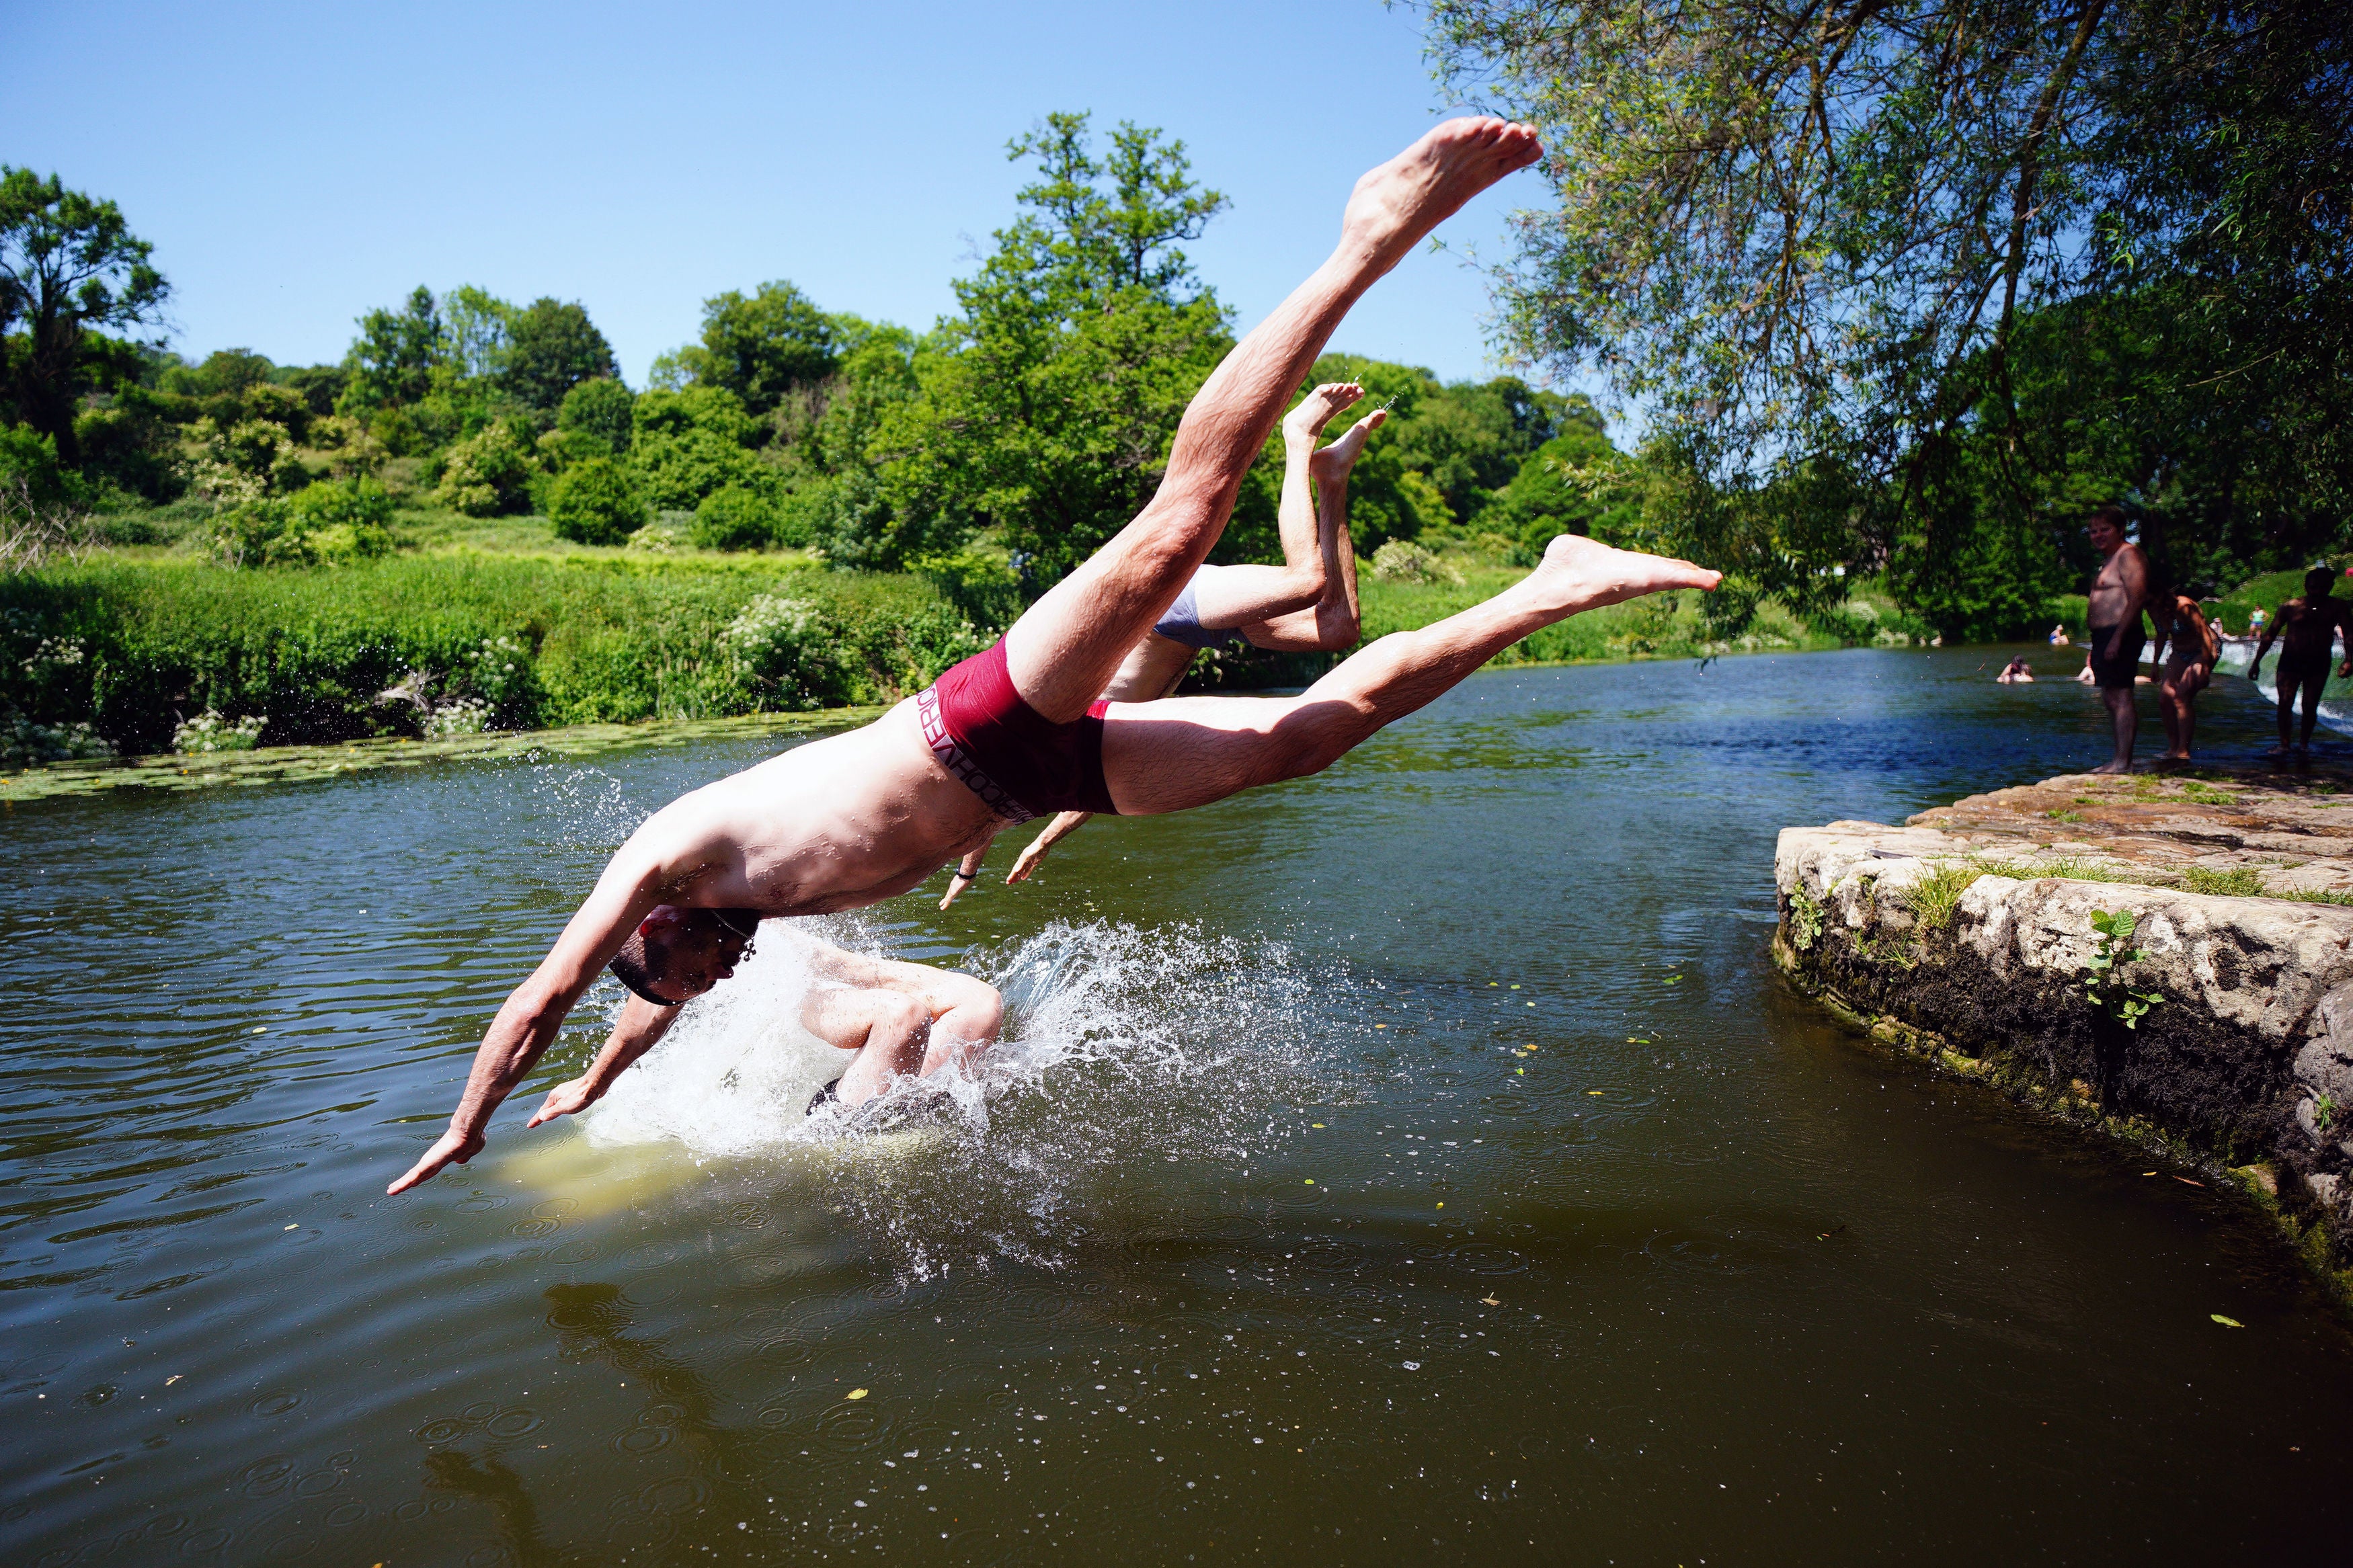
<point x="1911" y="287"/>
<point x="350" y="521"/>
<point x="595" y="501"/>
<point x="552" y="348"/>
<point x="313" y="650"/>
<point x="1046" y="410"/>
<point x="392" y="361"/>
<point x="1933" y="898"/>
<point x="686" y="445"/>
<point x="602" y="407"/>
<point x="488" y="474"/>
<point x="1805" y="919"/>
<point x="29" y="470"/>
<point x="1402" y="561"/>
<point x="2103" y="983"/>
<point x="2239" y="883"/>
<point x="71" y="271"/>
<point x="25" y="744"/>
<point x="758" y="349"/>
<point x="735" y="517"/>
<point x="208" y="733"/>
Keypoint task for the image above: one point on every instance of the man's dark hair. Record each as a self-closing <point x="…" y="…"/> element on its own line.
<point x="2111" y="514"/>
<point x="640" y="965"/>
<point x="636" y="969"/>
<point x="2319" y="580"/>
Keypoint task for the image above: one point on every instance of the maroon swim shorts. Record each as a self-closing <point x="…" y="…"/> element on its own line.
<point x="1019" y="763"/>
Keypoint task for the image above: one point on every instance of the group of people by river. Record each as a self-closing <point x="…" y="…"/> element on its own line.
<point x="2187" y="646"/>
<point x="1069" y="713"/>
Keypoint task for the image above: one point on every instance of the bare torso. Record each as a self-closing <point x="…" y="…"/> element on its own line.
<point x="838" y="823"/>
<point x="2112" y="597"/>
<point x="2306" y="629"/>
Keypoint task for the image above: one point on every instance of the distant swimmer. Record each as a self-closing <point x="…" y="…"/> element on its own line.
<point x="2015" y="673"/>
<point x="903" y="1020"/>
<point x="2306" y="629"/>
<point x="1020" y="731"/>
<point x="2059" y="637"/>
<point x="2189" y="667"/>
<point x="2119" y="594"/>
<point x="1308" y="605"/>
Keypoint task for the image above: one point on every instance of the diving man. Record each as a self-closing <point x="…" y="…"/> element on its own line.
<point x="1018" y="731"/>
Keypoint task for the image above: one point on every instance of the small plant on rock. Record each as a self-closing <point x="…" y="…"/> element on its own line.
<point x="2323" y="1112"/>
<point x="2104" y="986"/>
<point x="1805" y="919"/>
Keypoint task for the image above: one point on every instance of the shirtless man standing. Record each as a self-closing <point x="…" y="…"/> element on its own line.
<point x="902" y="1019"/>
<point x="1018" y="731"/>
<point x="1308" y="605"/>
<point x="2306" y="629"/>
<point x="2119" y="594"/>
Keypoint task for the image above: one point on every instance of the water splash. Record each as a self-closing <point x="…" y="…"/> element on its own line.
<point x="1124" y="1045"/>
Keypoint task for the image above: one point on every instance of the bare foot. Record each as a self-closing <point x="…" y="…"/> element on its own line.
<point x="1331" y="465"/>
<point x="1581" y="574"/>
<point x="2113" y="768"/>
<point x="1307" y="422"/>
<point x="1395" y="205"/>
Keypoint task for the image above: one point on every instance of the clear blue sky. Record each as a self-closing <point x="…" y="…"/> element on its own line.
<point x="298" y="165"/>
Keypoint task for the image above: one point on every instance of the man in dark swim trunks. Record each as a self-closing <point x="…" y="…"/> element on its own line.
<point x="2119" y="594"/>
<point x="1307" y="605"/>
<point x="2306" y="629"/>
<point x="1018" y="731"/>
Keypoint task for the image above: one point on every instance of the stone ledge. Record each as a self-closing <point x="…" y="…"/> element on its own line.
<point x="1942" y="939"/>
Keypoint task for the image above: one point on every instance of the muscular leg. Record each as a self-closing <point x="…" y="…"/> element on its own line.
<point x="1067" y="647"/>
<point x="887" y="1029"/>
<point x="1227" y="597"/>
<point x="1331" y="622"/>
<point x="2313" y="679"/>
<point x="1184" y="751"/>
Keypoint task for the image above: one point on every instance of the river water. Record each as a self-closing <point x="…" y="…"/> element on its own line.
<point x="1420" y="1160"/>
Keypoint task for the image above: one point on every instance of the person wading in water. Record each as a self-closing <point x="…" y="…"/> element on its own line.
<point x="2306" y="629"/>
<point x="1019" y="731"/>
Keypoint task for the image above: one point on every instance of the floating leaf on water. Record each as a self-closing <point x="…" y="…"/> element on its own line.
<point x="1489" y="1301"/>
<point x="1593" y="1091"/>
<point x="855" y="1393"/>
<point x="2226" y="1323"/>
<point x="2187" y="1181"/>
<point x="1311" y="1181"/>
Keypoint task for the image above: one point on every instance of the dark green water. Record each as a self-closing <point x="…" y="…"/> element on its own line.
<point x="1710" y="1281"/>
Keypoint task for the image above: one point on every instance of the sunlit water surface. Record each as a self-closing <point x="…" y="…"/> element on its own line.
<point x="1418" y="1160"/>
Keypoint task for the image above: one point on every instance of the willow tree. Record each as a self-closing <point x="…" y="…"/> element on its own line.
<point x="1864" y="260"/>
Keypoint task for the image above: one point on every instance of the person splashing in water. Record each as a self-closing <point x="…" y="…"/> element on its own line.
<point x="1020" y="731"/>
<point x="899" y="1019"/>
<point x="1308" y="605"/>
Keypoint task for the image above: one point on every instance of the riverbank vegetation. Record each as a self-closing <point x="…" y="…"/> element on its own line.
<point x="1907" y="289"/>
<point x="470" y="523"/>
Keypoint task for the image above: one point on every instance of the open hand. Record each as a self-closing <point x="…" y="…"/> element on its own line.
<point x="1027" y="861"/>
<point x="565" y="1098"/>
<point x="452" y="1148"/>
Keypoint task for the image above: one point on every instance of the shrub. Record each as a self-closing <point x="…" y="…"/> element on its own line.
<point x="467" y="716"/>
<point x="782" y="646"/>
<point x="593" y="503"/>
<point x="263" y="533"/>
<point x="1402" y="561"/>
<point x="488" y="474"/>
<point x="347" y="521"/>
<point x="208" y="732"/>
<point x="734" y="518"/>
<point x="23" y="743"/>
<point x="599" y="408"/>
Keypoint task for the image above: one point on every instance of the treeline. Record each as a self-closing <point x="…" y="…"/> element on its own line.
<point x="982" y="458"/>
<point x="1008" y="441"/>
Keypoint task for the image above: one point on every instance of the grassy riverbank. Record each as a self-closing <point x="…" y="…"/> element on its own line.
<point x="481" y="626"/>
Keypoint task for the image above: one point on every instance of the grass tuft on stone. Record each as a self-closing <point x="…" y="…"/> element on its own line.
<point x="1934" y="897"/>
<point x="2239" y="883"/>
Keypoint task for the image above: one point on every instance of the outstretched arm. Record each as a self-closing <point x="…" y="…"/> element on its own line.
<point x="641" y="1027"/>
<point x="1062" y="827"/>
<point x="527" y="1024"/>
<point x="967" y="870"/>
